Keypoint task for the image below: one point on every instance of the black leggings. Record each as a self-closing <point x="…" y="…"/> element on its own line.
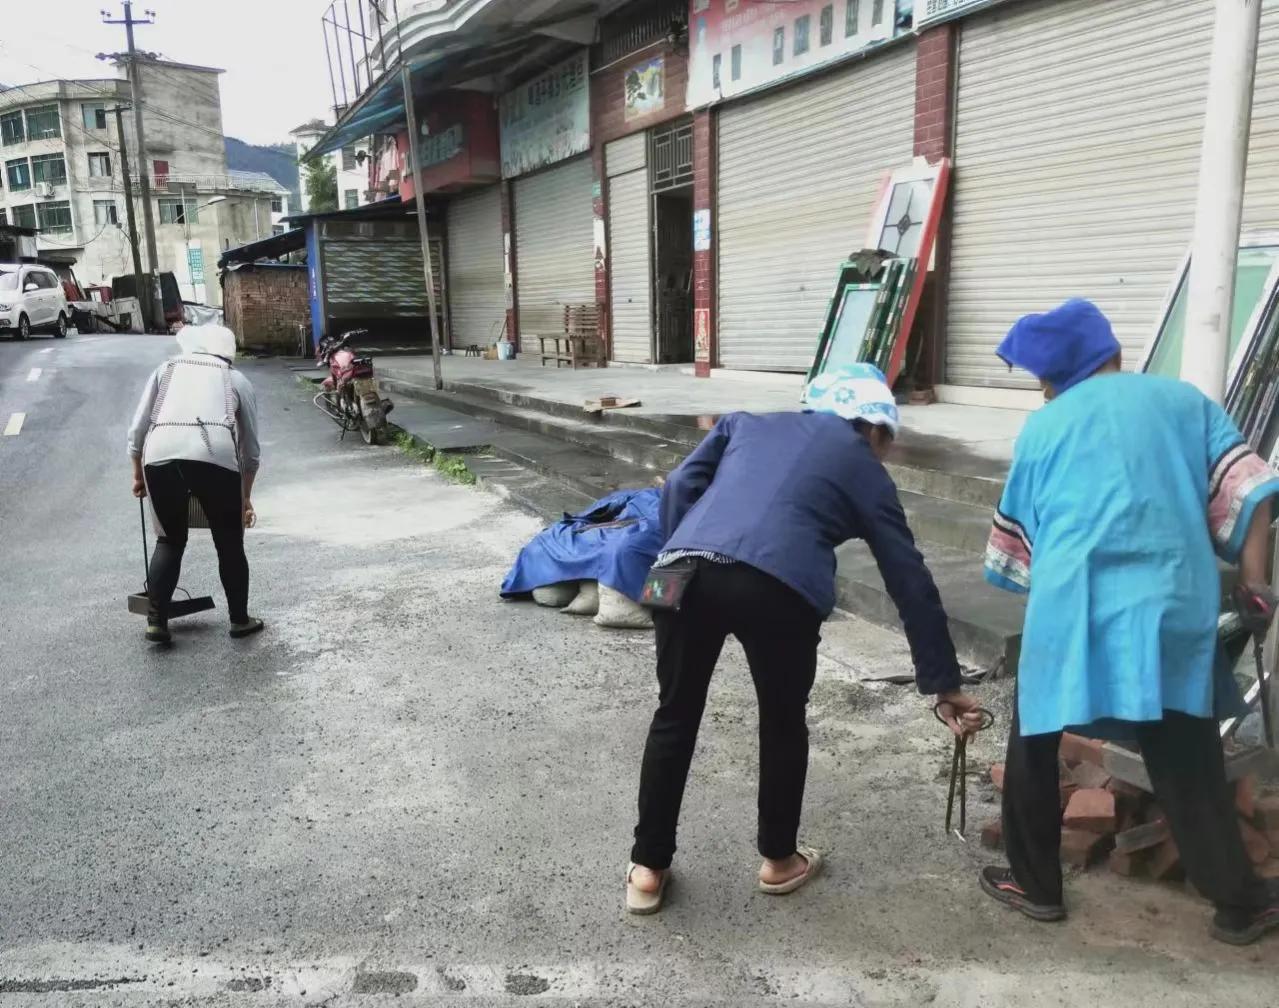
<point x="780" y="632"/>
<point x="170" y="485"/>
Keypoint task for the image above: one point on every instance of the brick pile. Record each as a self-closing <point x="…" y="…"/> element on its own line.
<point x="1107" y="819"/>
<point x="265" y="304"/>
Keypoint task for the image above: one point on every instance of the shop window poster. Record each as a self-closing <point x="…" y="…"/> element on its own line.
<point x="766" y="43"/>
<point x="645" y="88"/>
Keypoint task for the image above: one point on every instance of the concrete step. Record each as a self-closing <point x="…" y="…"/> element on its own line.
<point x="947" y="523"/>
<point x="984" y="621"/>
<point x="537" y="495"/>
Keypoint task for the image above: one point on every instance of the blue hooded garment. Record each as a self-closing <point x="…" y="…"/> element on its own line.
<point x="573" y="550"/>
<point x="1063" y="346"/>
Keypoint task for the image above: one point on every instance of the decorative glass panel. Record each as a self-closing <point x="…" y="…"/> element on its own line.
<point x="904" y="222"/>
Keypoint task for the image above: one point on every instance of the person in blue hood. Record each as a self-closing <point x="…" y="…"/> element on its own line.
<point x="755" y="513"/>
<point x="1123" y="492"/>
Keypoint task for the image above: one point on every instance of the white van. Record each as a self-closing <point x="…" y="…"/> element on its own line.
<point x="32" y="300"/>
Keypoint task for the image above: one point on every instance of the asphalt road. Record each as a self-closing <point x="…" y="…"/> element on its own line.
<point x="408" y="791"/>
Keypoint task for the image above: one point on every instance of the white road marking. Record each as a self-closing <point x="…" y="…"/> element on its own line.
<point x="47" y="350"/>
<point x="14" y="425"/>
<point x="34" y="375"/>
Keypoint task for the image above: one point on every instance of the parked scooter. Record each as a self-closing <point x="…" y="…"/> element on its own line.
<point x="350" y="396"/>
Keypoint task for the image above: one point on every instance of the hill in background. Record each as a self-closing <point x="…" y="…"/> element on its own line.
<point x="280" y="161"/>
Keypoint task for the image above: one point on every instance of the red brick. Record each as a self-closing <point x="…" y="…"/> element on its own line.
<point x="1165" y="862"/>
<point x="997" y="776"/>
<point x="1127" y="865"/>
<point x="992" y="834"/>
<point x="1122" y="789"/>
<point x="1091" y="809"/>
<point x="1076" y="749"/>
<point x="1080" y="847"/>
<point x="1254" y="842"/>
<point x="1246" y="796"/>
<point x="1142" y="837"/>
<point x="1086" y="775"/>
<point x="1268" y="812"/>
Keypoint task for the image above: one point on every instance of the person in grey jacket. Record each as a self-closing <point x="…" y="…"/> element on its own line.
<point x="195" y="435"/>
<point x="756" y="512"/>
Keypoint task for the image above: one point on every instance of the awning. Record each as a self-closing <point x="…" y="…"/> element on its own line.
<point x="384" y="209"/>
<point x="265" y="248"/>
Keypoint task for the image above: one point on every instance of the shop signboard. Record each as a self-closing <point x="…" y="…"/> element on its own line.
<point x="546" y="119"/>
<point x="929" y="12"/>
<point x="458" y="145"/>
<point x="738" y="46"/>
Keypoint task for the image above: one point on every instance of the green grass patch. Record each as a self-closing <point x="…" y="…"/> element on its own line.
<point x="452" y="467"/>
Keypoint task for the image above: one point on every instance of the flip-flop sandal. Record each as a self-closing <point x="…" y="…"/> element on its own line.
<point x="642" y="903"/>
<point x="814" y="859"/>
<point x="247" y="629"/>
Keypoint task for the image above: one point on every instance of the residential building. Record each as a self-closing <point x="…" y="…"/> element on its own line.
<point x="60" y="161"/>
<point x="350" y="162"/>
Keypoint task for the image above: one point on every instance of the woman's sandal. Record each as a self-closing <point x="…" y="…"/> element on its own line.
<point x="239" y="630"/>
<point x="642" y="903"/>
<point x="814" y="859"/>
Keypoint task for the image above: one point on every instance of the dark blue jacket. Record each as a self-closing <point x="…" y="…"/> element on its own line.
<point x="780" y="492"/>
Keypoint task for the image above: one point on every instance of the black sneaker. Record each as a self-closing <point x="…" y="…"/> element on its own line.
<point x="248" y="628"/>
<point x="1243" y="927"/>
<point x="158" y="632"/>
<point x="1000" y="884"/>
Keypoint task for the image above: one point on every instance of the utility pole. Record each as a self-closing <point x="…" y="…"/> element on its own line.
<point x="144" y="183"/>
<point x="1223" y="166"/>
<point x="139" y="278"/>
<point x="424" y="231"/>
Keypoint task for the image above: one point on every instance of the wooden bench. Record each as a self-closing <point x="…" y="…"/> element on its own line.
<point x="580" y="344"/>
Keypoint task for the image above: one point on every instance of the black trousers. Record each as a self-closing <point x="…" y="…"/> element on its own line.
<point x="1187" y="769"/>
<point x="780" y="632"/>
<point x="169" y="485"/>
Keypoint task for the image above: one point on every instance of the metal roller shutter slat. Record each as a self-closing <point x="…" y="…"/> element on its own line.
<point x="477" y="284"/>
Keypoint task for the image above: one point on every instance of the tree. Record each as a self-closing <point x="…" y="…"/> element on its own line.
<point x="321" y="186"/>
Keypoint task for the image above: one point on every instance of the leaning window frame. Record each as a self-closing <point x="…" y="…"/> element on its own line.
<point x="1247" y="340"/>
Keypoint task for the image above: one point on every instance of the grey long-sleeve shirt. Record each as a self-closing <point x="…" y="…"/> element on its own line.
<point x="187" y="442"/>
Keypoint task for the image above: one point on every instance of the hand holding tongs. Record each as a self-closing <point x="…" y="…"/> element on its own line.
<point x="959" y="765"/>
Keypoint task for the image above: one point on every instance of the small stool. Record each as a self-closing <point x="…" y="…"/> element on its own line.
<point x="474" y="350"/>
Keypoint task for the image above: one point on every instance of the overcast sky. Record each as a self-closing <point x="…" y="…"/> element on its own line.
<point x="272" y="52"/>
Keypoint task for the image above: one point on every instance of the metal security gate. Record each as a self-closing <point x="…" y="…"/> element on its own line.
<point x="372" y="278"/>
<point x="799" y="173"/>
<point x="1065" y="187"/>
<point x="477" y="288"/>
<point x="554" y="247"/>
<point x="630" y="251"/>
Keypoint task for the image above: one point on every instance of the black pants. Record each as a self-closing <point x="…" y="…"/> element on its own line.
<point x="170" y="484"/>
<point x="1187" y="769"/>
<point x="779" y="631"/>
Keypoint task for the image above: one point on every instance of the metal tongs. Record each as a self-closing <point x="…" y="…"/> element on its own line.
<point x="959" y="768"/>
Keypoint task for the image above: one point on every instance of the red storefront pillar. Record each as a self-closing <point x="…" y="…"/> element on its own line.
<point x="705" y="335"/>
<point x="936" y="62"/>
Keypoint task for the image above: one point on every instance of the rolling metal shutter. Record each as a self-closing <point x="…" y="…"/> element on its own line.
<point x="630" y="256"/>
<point x="477" y="287"/>
<point x="554" y="247"/>
<point x="1076" y="161"/>
<point x="799" y="173"/>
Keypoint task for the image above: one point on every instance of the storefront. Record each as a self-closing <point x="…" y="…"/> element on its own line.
<point x="458" y="147"/>
<point x="1078" y="129"/>
<point x="477" y="302"/>
<point x="799" y="167"/>
<point x="545" y="131"/>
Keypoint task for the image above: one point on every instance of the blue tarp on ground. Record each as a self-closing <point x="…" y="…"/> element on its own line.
<point x="574" y="550"/>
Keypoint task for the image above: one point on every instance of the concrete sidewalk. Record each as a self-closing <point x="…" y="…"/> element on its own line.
<point x="673" y="392"/>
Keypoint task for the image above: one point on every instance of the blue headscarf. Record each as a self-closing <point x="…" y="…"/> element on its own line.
<point x="854" y="392"/>
<point x="1063" y="346"/>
